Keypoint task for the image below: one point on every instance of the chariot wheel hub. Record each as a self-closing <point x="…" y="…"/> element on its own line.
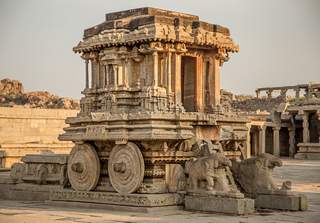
<point x="83" y="167"/>
<point x="126" y="168"/>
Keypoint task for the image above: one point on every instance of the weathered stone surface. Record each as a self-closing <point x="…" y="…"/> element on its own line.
<point x="220" y="204"/>
<point x="126" y="168"/>
<point x="255" y="174"/>
<point x="41" y="169"/>
<point x="83" y="167"/>
<point x="31" y="131"/>
<point x="308" y="151"/>
<point x="134" y="200"/>
<point x="293" y="202"/>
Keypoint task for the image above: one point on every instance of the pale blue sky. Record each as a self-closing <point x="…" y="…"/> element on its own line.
<point x="279" y="40"/>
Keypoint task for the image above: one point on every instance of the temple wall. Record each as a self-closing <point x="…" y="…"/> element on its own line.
<point x="28" y="130"/>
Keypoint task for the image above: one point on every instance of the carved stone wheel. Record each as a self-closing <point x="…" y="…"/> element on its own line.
<point x="126" y="168"/>
<point x="83" y="167"/>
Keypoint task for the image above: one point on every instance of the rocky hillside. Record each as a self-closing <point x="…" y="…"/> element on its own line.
<point x="12" y="94"/>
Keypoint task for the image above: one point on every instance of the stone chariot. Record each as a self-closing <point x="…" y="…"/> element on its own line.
<point x="152" y="92"/>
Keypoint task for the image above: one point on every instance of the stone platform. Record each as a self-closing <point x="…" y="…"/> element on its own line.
<point x="292" y="202"/>
<point x="309" y="151"/>
<point x="221" y="204"/>
<point x="115" y="201"/>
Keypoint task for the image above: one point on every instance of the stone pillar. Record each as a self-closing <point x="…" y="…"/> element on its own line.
<point x="306" y="133"/>
<point x="97" y="73"/>
<point x="126" y="72"/>
<point x="169" y="72"/>
<point x="87" y="73"/>
<point x="297" y="93"/>
<point x="269" y="93"/>
<point x="115" y="75"/>
<point x="292" y="141"/>
<point x="262" y="139"/>
<point x="93" y="73"/>
<point x="216" y="81"/>
<point x="155" y="68"/>
<point x="248" y="141"/>
<point x="102" y="75"/>
<point x="318" y="115"/>
<point x="276" y="141"/>
<point x="107" y="75"/>
<point x="257" y="93"/>
<point x="177" y="79"/>
<point x="199" y="84"/>
<point x="283" y="92"/>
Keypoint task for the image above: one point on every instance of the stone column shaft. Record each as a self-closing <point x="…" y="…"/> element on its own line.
<point x="262" y="139"/>
<point x="216" y="81"/>
<point x="93" y="74"/>
<point x="257" y="93"/>
<point x="306" y="133"/>
<point x="169" y="72"/>
<point x="292" y="141"/>
<point x="102" y="75"/>
<point x="155" y="69"/>
<point x="248" y="140"/>
<point x="115" y="73"/>
<point x="107" y="78"/>
<point x="318" y="115"/>
<point x="199" y="84"/>
<point x="87" y="73"/>
<point x="276" y="141"/>
<point x="177" y="79"/>
<point x="297" y="93"/>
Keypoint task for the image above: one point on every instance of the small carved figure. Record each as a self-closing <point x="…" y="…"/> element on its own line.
<point x="42" y="174"/>
<point x="17" y="172"/>
<point x="176" y="178"/>
<point x="255" y="174"/>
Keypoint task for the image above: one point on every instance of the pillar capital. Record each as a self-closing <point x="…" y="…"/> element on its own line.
<point x="276" y="128"/>
<point x="262" y="127"/>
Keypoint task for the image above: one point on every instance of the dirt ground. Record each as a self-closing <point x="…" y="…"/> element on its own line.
<point x="305" y="176"/>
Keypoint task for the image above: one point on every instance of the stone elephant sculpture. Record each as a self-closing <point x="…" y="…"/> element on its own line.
<point x="204" y="169"/>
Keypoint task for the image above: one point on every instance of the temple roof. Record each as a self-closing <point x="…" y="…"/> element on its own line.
<point x="151" y="24"/>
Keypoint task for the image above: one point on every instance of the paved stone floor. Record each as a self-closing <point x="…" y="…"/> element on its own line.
<point x="304" y="174"/>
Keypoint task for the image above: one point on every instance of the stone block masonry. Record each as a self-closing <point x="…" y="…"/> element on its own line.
<point x="31" y="131"/>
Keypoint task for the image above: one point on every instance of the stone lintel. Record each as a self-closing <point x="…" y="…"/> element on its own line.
<point x="46" y="158"/>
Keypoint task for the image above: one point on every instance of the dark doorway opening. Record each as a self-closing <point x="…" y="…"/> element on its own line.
<point x="284" y="142"/>
<point x="188" y="78"/>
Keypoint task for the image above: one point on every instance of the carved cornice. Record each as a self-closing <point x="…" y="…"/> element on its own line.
<point x="158" y="32"/>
